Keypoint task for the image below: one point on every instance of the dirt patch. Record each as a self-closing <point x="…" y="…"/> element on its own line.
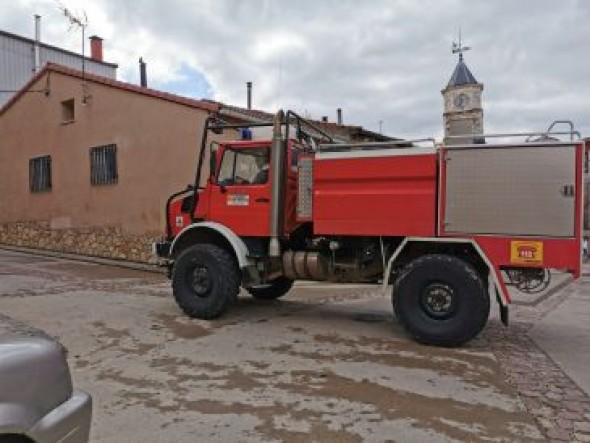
<point x="428" y="413"/>
<point x="182" y="327"/>
<point x="472" y="369"/>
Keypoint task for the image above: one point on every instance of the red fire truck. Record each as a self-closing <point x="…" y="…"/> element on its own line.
<point x="447" y="226"/>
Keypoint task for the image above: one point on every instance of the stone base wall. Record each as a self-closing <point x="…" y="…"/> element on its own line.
<point x="105" y="242"/>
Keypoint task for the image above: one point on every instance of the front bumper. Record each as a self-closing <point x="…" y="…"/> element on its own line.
<point x="161" y="249"/>
<point x="68" y="423"/>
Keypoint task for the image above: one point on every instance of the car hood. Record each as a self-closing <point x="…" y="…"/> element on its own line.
<point x="34" y="378"/>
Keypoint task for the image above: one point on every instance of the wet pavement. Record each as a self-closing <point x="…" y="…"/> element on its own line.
<point x="328" y="363"/>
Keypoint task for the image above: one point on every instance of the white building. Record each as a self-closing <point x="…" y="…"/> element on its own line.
<point x="21" y="58"/>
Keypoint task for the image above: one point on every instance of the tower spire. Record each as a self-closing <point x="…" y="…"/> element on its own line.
<point x="459" y="48"/>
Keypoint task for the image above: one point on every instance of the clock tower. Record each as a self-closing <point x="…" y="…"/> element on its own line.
<point x="463" y="113"/>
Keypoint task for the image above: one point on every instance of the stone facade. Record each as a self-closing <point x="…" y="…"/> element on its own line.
<point x="463" y="112"/>
<point x="104" y="242"/>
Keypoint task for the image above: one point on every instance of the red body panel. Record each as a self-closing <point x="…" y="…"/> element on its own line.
<point x="375" y="196"/>
<point x="250" y="219"/>
<point x="557" y="253"/>
<point x="177" y="219"/>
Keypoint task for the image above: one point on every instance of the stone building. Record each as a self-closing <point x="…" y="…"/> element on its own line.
<point x="463" y="113"/>
<point x="87" y="165"/>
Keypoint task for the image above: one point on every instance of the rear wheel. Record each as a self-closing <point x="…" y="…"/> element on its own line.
<point x="205" y="281"/>
<point x="275" y="289"/>
<point x="441" y="300"/>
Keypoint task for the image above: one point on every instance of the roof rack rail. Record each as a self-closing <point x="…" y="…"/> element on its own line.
<point x="291" y="119"/>
<point x="543" y="135"/>
<point x="397" y="144"/>
<point x="550" y="131"/>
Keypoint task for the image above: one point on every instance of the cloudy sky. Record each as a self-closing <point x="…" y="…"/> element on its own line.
<point x="378" y="60"/>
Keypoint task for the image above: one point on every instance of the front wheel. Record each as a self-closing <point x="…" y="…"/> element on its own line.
<point x="275" y="289"/>
<point x="205" y="281"/>
<point x="441" y="300"/>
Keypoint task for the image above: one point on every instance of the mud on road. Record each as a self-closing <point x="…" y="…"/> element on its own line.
<point x="327" y="363"/>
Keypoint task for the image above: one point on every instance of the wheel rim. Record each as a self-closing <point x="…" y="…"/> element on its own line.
<point x="438" y="300"/>
<point x="200" y="281"/>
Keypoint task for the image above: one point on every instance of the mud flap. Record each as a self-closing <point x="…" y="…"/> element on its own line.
<point x="503" y="310"/>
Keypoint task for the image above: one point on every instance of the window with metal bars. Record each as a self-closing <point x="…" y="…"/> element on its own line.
<point x="40" y="174"/>
<point x="103" y="165"/>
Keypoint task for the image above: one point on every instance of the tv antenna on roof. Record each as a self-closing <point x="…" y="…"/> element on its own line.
<point x="459" y="48"/>
<point x="79" y="21"/>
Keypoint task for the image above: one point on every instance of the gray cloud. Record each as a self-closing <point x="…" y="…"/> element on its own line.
<point x="378" y="60"/>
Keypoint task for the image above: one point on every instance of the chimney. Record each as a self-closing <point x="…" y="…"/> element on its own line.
<point x="142" y="73"/>
<point x="37" y="47"/>
<point x="96" y="48"/>
<point x="249" y="95"/>
<point x="339" y="115"/>
<point x="325" y="119"/>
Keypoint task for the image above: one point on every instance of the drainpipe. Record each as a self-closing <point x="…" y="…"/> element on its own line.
<point x="277" y="197"/>
<point x="37" y="47"/>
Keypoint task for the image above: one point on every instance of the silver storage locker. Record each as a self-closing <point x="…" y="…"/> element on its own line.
<point x="526" y="190"/>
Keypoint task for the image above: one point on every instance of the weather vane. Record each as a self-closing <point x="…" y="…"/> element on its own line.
<point x="459" y="48"/>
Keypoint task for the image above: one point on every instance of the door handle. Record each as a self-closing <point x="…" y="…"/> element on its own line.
<point x="262" y="200"/>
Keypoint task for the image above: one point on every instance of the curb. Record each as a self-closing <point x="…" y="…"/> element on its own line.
<point x="86" y="258"/>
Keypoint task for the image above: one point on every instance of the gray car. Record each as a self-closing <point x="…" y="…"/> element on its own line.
<point x="37" y="401"/>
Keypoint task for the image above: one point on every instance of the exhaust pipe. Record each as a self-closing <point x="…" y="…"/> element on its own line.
<point x="277" y="197"/>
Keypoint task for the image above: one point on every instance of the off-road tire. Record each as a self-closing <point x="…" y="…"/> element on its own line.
<point x="275" y="289"/>
<point x="223" y="284"/>
<point x="470" y="306"/>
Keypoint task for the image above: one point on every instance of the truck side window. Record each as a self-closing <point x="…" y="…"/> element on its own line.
<point x="226" y="170"/>
<point x="244" y="167"/>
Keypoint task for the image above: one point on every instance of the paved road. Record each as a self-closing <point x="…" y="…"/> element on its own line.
<point x="327" y="363"/>
<point x="565" y="334"/>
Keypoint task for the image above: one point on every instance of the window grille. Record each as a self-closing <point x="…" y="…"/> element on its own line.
<point x="40" y="174"/>
<point x="103" y="165"/>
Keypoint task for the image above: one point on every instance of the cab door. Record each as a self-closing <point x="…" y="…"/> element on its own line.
<point x="240" y="194"/>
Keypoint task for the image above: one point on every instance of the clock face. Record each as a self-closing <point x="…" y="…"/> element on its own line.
<point x="461" y="100"/>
